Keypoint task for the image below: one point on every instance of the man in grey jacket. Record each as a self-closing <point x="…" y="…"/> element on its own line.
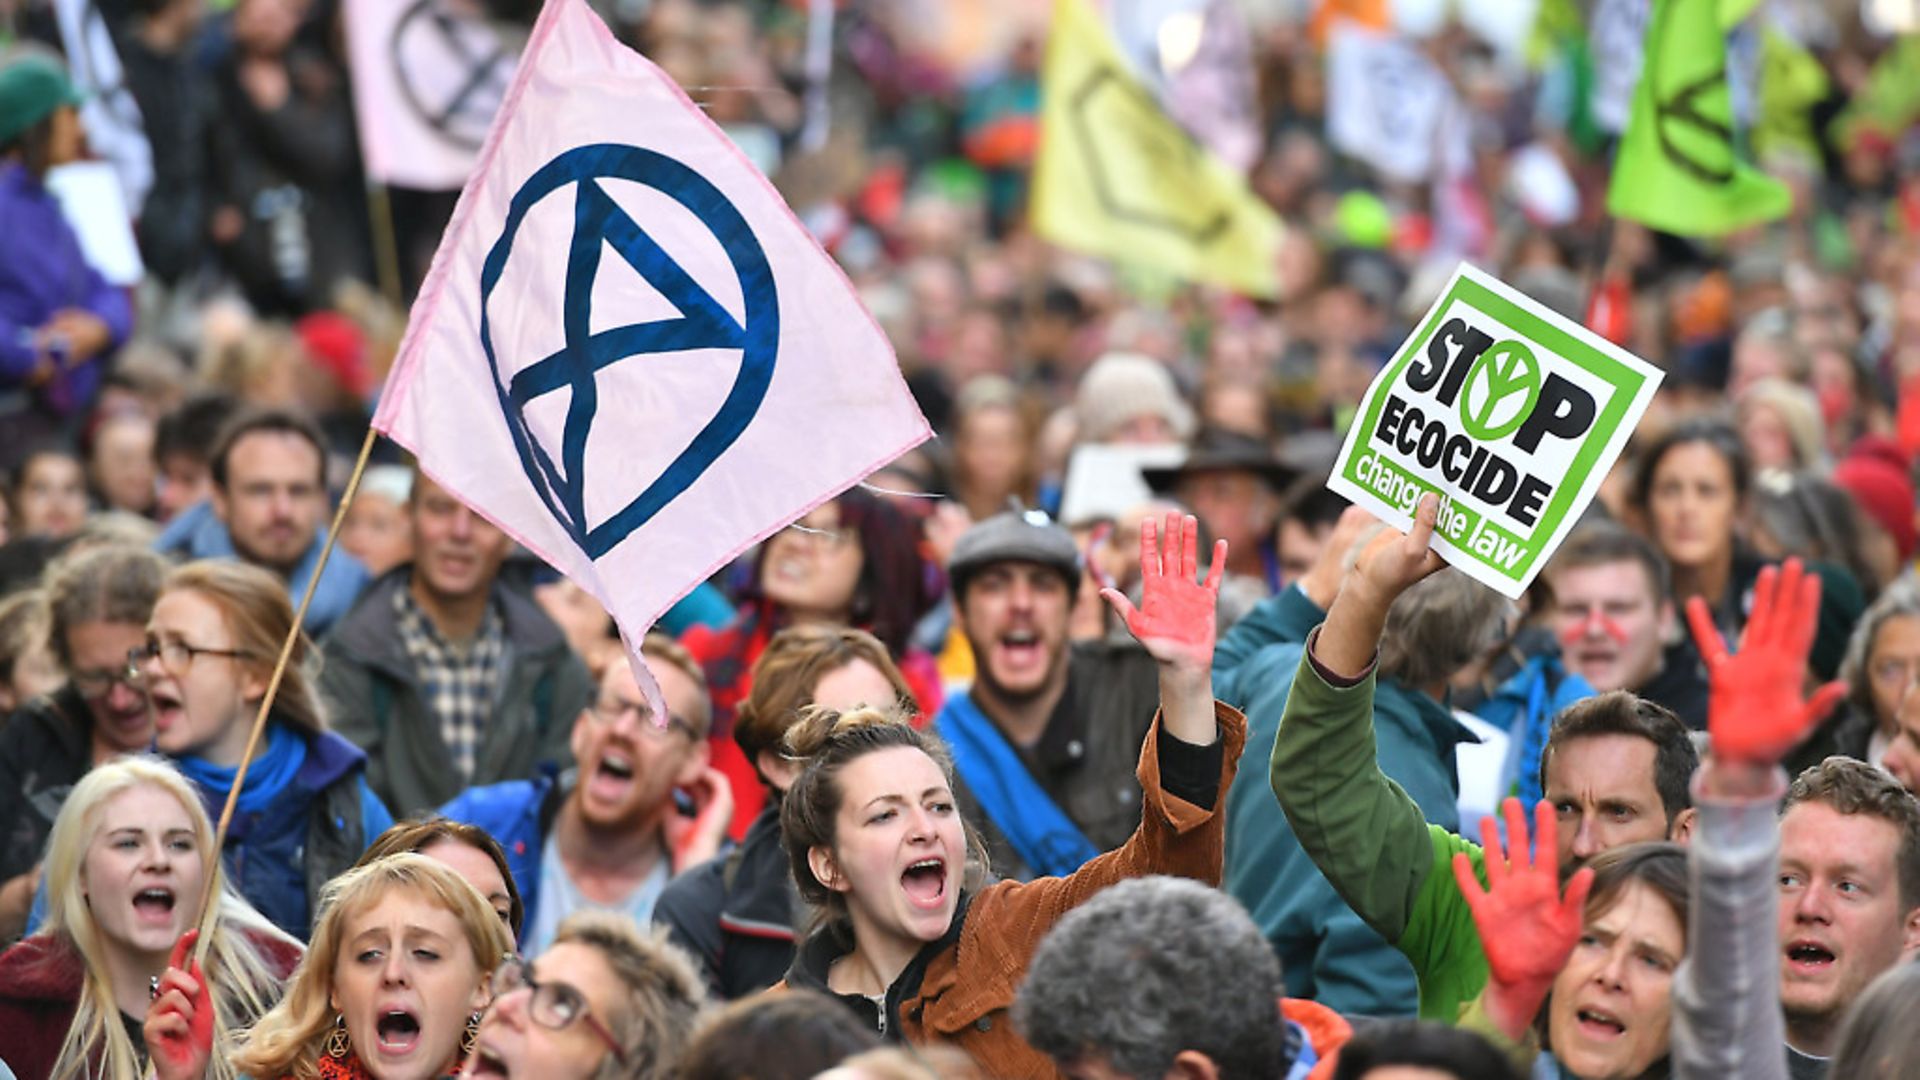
<point x="446" y="677"/>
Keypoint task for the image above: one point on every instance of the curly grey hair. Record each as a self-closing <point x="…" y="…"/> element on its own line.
<point x="1152" y="967"/>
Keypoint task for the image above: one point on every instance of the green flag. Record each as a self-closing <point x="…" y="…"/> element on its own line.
<point x="1890" y="101"/>
<point x="1792" y="82"/>
<point x="1678" y="169"/>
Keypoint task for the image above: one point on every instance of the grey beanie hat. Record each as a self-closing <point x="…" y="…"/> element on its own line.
<point x="1014" y="536"/>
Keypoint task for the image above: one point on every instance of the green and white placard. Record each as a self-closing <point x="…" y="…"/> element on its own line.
<point x="1511" y="412"/>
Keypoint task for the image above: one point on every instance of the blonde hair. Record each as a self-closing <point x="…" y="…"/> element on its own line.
<point x="287" y="1040"/>
<point x="97" y="1044"/>
<point x="258" y="614"/>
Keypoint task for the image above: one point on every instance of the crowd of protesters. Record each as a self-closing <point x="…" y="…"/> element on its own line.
<point x="1096" y="737"/>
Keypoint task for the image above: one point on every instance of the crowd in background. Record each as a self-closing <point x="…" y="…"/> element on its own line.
<point x="460" y="818"/>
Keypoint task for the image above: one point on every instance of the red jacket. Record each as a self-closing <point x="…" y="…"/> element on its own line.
<point x="40" y="981"/>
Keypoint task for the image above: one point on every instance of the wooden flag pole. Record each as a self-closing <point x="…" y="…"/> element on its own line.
<point x="210" y="889"/>
<point x="386" y="243"/>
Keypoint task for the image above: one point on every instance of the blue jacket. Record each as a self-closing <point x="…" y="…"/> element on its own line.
<point x="198" y="533"/>
<point x="279" y="858"/>
<point x="518" y="814"/>
<point x="1327" y="953"/>
<point x="1525" y="706"/>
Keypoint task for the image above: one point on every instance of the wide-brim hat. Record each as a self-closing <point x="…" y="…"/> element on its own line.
<point x="1216" y="450"/>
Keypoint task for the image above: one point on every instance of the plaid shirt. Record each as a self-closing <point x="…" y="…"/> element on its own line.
<point x="459" y="680"/>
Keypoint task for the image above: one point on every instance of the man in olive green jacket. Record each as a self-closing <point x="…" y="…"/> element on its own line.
<point x="1615" y="767"/>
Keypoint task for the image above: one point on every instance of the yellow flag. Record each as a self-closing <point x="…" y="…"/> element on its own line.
<point x="1116" y="177"/>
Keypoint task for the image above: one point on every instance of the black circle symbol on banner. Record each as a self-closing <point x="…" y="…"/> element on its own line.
<point x="1677" y="112"/>
<point x="435" y="35"/>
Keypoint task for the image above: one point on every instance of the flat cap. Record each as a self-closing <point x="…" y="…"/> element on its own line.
<point x="1014" y="536"/>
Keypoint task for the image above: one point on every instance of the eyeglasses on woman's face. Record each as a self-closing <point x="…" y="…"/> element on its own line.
<point x="553" y="1005"/>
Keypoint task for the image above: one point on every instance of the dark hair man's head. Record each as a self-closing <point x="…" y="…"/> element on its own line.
<point x="1308" y="512"/>
<point x="1014" y="577"/>
<point x="1616" y="769"/>
<point x="1611" y="610"/>
<point x="1849" y="892"/>
<point x="270" y="486"/>
<point x="1422" y="1049"/>
<point x="1156" y="976"/>
<point x="183" y="450"/>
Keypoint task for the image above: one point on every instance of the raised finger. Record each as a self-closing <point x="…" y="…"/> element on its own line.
<point x="1706" y="636"/>
<point x="1759" y="629"/>
<point x="1218" y="571"/>
<point x="178" y="958"/>
<point x="1189" y="550"/>
<point x="1170" y="544"/>
<point x="1518" y="857"/>
<point x="1121" y="606"/>
<point x="1824" y="700"/>
<point x="1806" y="618"/>
<point x="1425" y="516"/>
<point x="1149" y="550"/>
<point x="1574" y="901"/>
<point x="1496" y="858"/>
<point x="1546" y="839"/>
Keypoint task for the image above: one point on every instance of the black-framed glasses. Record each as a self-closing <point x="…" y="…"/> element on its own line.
<point x="608" y="715"/>
<point x="174" y="656"/>
<point x="552" y="1005"/>
<point x="98" y="684"/>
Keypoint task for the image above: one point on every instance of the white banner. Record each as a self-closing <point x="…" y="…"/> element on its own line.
<point x="428" y="75"/>
<point x="1386" y="102"/>
<point x="111" y="118"/>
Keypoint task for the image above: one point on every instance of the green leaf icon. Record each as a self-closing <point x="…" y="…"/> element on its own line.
<point x="1506" y="369"/>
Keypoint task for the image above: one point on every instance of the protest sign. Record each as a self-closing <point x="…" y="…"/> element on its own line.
<point x="1512" y="413"/>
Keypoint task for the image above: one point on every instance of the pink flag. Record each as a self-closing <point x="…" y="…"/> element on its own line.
<point x="428" y="78"/>
<point x="628" y="353"/>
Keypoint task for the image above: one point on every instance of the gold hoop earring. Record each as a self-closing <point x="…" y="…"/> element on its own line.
<point x="470" y="1037"/>
<point x="338" y="1043"/>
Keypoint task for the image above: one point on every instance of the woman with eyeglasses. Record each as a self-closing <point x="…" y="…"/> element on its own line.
<point x="305" y="812"/>
<point x="98" y="601"/>
<point x="391" y="989"/>
<point x="127" y="866"/>
<point x="855" y="561"/>
<point x="604" y="1002"/>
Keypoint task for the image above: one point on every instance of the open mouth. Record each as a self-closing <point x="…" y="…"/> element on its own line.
<point x="1599" y="1024"/>
<point x="613" y="776"/>
<point x="399" y="1031"/>
<point x="167" y="709"/>
<point x="925" y="882"/>
<point x="487" y="1065"/>
<point x="1021" y="646"/>
<point x="1809" y="955"/>
<point x="154" y="905"/>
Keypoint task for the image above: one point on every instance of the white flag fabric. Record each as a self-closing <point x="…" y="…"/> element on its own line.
<point x="428" y="76"/>
<point x="109" y="115"/>
<point x="1388" y="105"/>
<point x="628" y="353"/>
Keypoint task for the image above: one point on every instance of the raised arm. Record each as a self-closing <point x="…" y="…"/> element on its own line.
<point x="1362" y="830"/>
<point x="1186" y="763"/>
<point x="1726" y="995"/>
